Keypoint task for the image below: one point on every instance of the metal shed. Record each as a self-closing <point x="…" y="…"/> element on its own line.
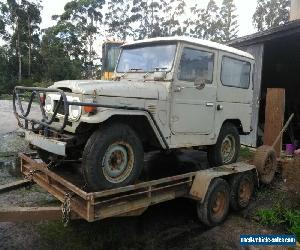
<point x="277" y="54"/>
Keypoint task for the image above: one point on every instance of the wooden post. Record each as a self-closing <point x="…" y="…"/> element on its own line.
<point x="274" y="117"/>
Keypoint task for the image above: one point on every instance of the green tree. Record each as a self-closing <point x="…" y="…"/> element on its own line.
<point x="2" y="19"/>
<point x="147" y="18"/>
<point x="86" y="16"/>
<point x="229" y="20"/>
<point x="173" y="11"/>
<point x="271" y="13"/>
<point x="195" y="24"/>
<point x="141" y="19"/>
<point x="60" y="59"/>
<point x="213" y="22"/>
<point x="118" y="19"/>
<point x="206" y="23"/>
<point x="33" y="21"/>
<point x="21" y="20"/>
<point x="5" y="79"/>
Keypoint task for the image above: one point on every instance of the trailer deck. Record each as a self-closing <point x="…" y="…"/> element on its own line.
<point x="125" y="201"/>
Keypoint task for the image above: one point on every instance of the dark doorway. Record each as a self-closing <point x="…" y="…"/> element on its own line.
<point x="281" y="69"/>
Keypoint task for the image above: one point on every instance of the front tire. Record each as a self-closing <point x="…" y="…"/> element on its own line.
<point x="112" y="157"/>
<point x="227" y="148"/>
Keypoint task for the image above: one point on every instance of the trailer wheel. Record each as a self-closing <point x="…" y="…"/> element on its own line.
<point x="112" y="157"/>
<point x="214" y="209"/>
<point x="227" y="147"/>
<point x="266" y="163"/>
<point x="241" y="190"/>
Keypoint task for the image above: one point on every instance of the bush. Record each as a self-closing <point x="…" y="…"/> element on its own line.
<point x="279" y="215"/>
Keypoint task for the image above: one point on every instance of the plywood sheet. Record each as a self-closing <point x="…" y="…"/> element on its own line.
<point x="274" y="117"/>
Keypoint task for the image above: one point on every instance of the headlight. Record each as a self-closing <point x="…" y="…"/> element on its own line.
<point x="48" y="104"/>
<point x="75" y="112"/>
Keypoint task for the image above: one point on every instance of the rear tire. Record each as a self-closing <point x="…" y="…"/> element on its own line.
<point x="214" y="209"/>
<point x="241" y="190"/>
<point x="112" y="157"/>
<point x="227" y="148"/>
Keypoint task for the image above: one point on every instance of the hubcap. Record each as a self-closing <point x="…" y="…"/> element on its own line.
<point x="219" y="204"/>
<point x="228" y="149"/>
<point x="117" y="162"/>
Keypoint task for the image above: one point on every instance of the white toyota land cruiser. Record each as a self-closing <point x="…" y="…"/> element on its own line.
<point x="168" y="93"/>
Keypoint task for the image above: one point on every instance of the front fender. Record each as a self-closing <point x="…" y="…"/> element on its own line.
<point x="105" y="113"/>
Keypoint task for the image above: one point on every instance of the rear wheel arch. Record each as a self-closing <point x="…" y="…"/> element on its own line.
<point x="226" y="149"/>
<point x="237" y="123"/>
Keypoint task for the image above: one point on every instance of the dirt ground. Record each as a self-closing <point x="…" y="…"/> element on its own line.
<point x="170" y="225"/>
<point x="291" y="175"/>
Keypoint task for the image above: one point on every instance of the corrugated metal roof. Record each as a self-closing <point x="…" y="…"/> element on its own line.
<point x="195" y="41"/>
<point x="289" y="28"/>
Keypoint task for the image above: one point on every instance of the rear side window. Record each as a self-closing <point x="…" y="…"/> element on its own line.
<point x="196" y="64"/>
<point x="235" y="73"/>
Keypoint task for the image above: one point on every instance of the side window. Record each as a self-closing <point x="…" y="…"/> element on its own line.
<point x="196" y="64"/>
<point x="235" y="73"/>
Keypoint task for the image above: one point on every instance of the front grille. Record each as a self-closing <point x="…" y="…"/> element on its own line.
<point x="61" y="109"/>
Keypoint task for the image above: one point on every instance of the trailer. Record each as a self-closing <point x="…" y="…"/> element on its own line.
<point x="214" y="191"/>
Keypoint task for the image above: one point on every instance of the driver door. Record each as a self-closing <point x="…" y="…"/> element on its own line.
<point x="193" y="109"/>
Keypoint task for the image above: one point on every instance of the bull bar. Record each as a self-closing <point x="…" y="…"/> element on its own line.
<point x="46" y="122"/>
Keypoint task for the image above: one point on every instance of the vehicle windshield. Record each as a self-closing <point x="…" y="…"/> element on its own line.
<point x="148" y="58"/>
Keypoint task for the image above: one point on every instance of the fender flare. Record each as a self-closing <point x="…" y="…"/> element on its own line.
<point x="106" y="113"/>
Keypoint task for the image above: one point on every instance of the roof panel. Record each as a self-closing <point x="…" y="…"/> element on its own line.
<point x="195" y="41"/>
<point x="289" y="28"/>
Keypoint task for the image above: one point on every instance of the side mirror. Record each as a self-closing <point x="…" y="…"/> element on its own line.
<point x="199" y="83"/>
<point x="159" y="75"/>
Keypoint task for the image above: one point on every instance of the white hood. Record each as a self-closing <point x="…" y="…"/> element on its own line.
<point x="146" y="90"/>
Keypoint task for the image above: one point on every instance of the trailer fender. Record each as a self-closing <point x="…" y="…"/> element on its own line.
<point x="203" y="178"/>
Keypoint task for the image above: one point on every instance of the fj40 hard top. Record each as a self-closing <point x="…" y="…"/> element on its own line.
<point x="168" y="93"/>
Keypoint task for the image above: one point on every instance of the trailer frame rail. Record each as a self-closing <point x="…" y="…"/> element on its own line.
<point x="124" y="201"/>
<point x="130" y="200"/>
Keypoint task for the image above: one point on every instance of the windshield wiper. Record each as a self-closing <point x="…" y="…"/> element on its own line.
<point x="135" y="69"/>
<point x="160" y="68"/>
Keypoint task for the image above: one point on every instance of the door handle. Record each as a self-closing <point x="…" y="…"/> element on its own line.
<point x="210" y="104"/>
<point x="219" y="107"/>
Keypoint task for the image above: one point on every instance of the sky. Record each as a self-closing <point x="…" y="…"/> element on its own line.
<point x="245" y="10"/>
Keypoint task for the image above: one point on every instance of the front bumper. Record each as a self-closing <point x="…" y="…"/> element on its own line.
<point x="48" y="144"/>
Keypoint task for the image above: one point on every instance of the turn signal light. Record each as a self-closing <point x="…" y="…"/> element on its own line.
<point x="89" y="109"/>
<point x="42" y="99"/>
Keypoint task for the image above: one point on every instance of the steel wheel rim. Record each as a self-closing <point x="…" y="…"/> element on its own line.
<point x="245" y="190"/>
<point x="219" y="204"/>
<point x="268" y="165"/>
<point x="118" y="162"/>
<point x="228" y="149"/>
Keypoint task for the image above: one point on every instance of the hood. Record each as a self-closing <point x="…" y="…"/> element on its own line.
<point x="146" y="90"/>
